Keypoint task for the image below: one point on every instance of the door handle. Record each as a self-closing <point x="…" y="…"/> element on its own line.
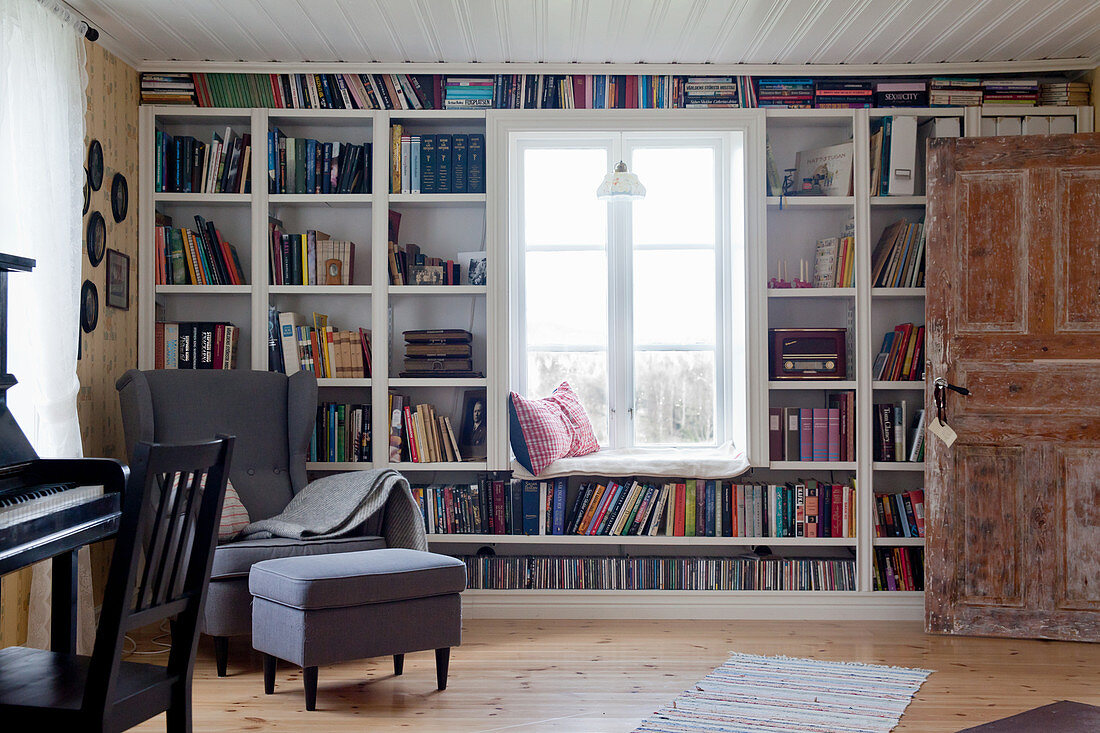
<point x="939" y="396"/>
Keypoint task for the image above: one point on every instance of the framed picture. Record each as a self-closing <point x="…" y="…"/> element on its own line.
<point x="472" y="443"/>
<point x="96" y="236"/>
<point x="118" y="280"/>
<point x="89" y="306"/>
<point x="120" y="197"/>
<point x="95" y="165"/>
<point x="476" y="266"/>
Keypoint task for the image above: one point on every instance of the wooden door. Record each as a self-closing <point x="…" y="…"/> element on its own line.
<point x="1013" y="314"/>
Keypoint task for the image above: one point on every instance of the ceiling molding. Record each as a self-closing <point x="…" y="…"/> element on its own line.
<point x="972" y="67"/>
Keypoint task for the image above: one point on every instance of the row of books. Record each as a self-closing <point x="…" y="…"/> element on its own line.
<point x="835" y="262"/>
<point x="439" y="352"/>
<point x="312" y="258"/>
<point x="898" y="259"/>
<point x="195" y="345"/>
<point x="901" y="357"/>
<point x="814" y="433"/>
<point x="659" y="573"/>
<point x="341" y="433"/>
<point x="436" y="163"/>
<point x="185" y="164"/>
<point x="900" y="514"/>
<point x="899" y="568"/>
<point x="422" y="435"/>
<point x="305" y="165"/>
<point x="195" y="257"/>
<point x="409" y="266"/>
<point x="1064" y="94"/>
<point x="295" y="345"/>
<point x="1011" y="91"/>
<point x="897" y="436"/>
<point x="569" y="91"/>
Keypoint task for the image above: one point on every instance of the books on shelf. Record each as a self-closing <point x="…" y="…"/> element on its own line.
<point x="307" y="166"/>
<point x="786" y="92"/>
<point x="901" y="93"/>
<point x="164" y="87"/>
<point x="184" y="164"/>
<point x="825" y="171"/>
<point x="1020" y="92"/>
<point x="898" y="436"/>
<point x="953" y="91"/>
<point x="898" y="259"/>
<point x="436" y="163"/>
<point x="313" y="258"/>
<point x="318" y="348"/>
<point x="899" y="514"/>
<point x="439" y="352"/>
<point x="814" y="433"/>
<point x="341" y="433"/>
<point x="708" y="91"/>
<point x="835" y="262"/>
<point x="843" y="94"/>
<point x="745" y="572"/>
<point x="199" y="256"/>
<point x="1062" y="94"/>
<point x="418" y="434"/>
<point x="195" y="345"/>
<point x="898" y="568"/>
<point x="409" y="266"/>
<point x="901" y="356"/>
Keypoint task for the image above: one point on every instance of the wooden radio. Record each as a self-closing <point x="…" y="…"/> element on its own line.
<point x="807" y="353"/>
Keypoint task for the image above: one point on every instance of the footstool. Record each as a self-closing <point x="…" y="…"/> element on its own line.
<point x="322" y="609"/>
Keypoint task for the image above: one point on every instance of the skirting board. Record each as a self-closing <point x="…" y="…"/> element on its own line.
<point x="719" y="605"/>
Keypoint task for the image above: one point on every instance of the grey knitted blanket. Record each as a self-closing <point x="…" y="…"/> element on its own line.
<point x="337" y="505"/>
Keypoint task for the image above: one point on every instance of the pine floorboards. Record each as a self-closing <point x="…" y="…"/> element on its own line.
<point x="526" y="675"/>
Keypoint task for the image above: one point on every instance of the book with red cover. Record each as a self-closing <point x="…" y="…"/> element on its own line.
<point x="579" y="91"/>
<point x="836" y="524"/>
<point x="681" y="510"/>
<point x="601" y="511"/>
<point x="833" y="446"/>
<point x="917" y="497"/>
<point x="410" y="433"/>
<point x="806" y="434"/>
<point x="820" y="437"/>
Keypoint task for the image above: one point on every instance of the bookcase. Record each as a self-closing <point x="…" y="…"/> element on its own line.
<point x="445" y="224"/>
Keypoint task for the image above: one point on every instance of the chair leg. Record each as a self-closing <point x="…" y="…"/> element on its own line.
<point x="221" y="654"/>
<point x="442" y="660"/>
<point x="269" y="674"/>
<point x="178" y="715"/>
<point x="309" y="677"/>
<point x="398" y="664"/>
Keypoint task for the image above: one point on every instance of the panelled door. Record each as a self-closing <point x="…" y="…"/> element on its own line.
<point x="1013" y="316"/>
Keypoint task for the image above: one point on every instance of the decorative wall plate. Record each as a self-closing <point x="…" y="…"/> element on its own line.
<point x="87" y="193"/>
<point x="95" y="165"/>
<point x="96" y="236"/>
<point x="89" y="306"/>
<point x="120" y="197"/>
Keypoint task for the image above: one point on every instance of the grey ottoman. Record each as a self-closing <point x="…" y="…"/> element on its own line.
<point x="322" y="609"/>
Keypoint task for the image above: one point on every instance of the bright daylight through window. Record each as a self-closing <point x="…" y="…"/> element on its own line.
<point x="633" y="303"/>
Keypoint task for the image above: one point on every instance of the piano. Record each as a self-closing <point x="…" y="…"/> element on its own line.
<point x="49" y="508"/>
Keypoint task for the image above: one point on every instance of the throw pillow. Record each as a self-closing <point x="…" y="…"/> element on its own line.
<point x="234" y="515"/>
<point x="542" y="431"/>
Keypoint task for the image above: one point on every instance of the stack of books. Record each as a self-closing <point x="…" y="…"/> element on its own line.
<point x="899" y="568"/>
<point x="468" y="92"/>
<point x="1064" y="94"/>
<point x="895" y="441"/>
<point x="294" y="345"/>
<point x="186" y="165"/>
<point x="419" y="435"/>
<point x="834" y="262"/>
<point x="842" y="94"/>
<point x="1023" y="92"/>
<point x="901" y="357"/>
<point x="814" y="433"/>
<point x="167" y="88"/>
<point x="900" y="514"/>
<point x="908" y="93"/>
<point x="441" y="352"/>
<point x="950" y="91"/>
<point x="711" y="91"/>
<point x="898" y="258"/>
<point x="409" y="266"/>
<point x="195" y="257"/>
<point x="341" y="433"/>
<point x="301" y="165"/>
<point x="795" y="93"/>
<point x="436" y="163"/>
<point x="195" y="345"/>
<point x="313" y="258"/>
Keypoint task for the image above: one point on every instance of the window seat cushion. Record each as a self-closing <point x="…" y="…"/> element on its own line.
<point x="724" y="461"/>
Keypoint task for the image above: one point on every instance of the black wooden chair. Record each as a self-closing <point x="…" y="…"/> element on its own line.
<point x="160" y="569"/>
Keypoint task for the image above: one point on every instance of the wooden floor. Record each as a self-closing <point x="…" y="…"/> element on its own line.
<point x="521" y="676"/>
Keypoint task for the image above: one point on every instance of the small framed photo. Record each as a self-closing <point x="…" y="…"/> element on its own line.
<point x="472" y="444"/>
<point x="476" y="266"/>
<point x="118" y="280"/>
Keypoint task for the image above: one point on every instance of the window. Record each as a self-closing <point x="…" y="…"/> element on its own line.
<point x="632" y="303"/>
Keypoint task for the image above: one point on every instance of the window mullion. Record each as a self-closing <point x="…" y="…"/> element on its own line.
<point x="617" y="281"/>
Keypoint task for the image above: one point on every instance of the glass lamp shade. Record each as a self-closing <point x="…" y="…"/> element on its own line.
<point x="620" y="185"/>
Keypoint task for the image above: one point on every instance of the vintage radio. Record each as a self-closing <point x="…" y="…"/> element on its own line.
<point x="807" y="353"/>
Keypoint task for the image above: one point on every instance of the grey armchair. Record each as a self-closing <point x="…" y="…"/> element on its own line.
<point x="272" y="417"/>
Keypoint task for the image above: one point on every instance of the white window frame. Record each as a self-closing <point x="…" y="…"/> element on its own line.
<point x="742" y="402"/>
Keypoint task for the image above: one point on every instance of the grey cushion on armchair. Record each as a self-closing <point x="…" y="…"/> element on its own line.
<point x="272" y="416"/>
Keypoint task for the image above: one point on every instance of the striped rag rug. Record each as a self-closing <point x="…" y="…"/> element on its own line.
<point x="781" y="694"/>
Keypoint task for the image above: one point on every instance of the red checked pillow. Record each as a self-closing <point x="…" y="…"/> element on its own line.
<point x="542" y="431"/>
<point x="234" y="515"/>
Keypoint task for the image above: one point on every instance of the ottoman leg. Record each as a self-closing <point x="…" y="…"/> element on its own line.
<point x="442" y="659"/>
<point x="221" y="654"/>
<point x="269" y="674"/>
<point x="309" y="677"/>
<point x="398" y="664"/>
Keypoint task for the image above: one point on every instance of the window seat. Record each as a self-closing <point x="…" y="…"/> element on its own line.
<point x="724" y="461"/>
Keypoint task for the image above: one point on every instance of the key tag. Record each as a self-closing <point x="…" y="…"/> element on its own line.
<point x="943" y="431"/>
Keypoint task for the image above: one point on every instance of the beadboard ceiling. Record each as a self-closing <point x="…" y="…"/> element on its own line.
<point x="753" y="32"/>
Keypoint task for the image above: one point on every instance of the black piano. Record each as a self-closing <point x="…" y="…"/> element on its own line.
<point x="49" y="508"/>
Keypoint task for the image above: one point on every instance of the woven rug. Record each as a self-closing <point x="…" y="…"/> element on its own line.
<point x="781" y="694"/>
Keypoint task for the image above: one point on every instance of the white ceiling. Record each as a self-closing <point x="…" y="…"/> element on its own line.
<point x="794" y="32"/>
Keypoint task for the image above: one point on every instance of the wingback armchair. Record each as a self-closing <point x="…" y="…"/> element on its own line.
<point x="272" y="417"/>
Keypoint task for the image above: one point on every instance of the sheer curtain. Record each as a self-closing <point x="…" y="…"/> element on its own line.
<point x="42" y="101"/>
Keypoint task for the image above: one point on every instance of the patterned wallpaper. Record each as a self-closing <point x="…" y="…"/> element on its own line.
<point x="111" y="118"/>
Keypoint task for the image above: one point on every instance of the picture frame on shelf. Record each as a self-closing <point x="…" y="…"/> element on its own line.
<point x="472" y="444"/>
<point x="118" y="280"/>
<point x="477" y="266"/>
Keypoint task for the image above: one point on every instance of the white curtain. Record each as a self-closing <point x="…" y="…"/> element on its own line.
<point x="42" y="102"/>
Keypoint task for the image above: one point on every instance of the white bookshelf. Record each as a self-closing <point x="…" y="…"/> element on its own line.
<point x="779" y="226"/>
